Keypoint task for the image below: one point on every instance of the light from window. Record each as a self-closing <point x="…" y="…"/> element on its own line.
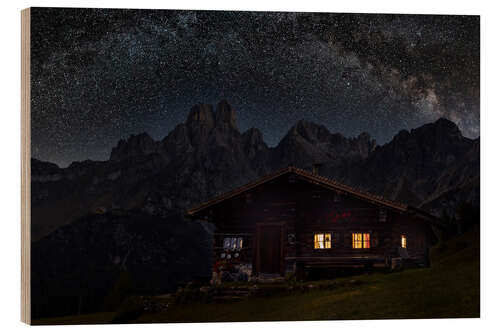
<point x="366" y="241"/>
<point x="322" y="241"/>
<point x="403" y="241"/>
<point x="360" y="240"/>
<point x="233" y="243"/>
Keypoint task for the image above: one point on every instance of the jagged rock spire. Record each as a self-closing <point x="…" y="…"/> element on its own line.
<point x="201" y="115"/>
<point x="225" y="115"/>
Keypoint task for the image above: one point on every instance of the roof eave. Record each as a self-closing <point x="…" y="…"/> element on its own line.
<point x="320" y="180"/>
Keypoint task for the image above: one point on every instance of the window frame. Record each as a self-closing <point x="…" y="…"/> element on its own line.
<point x="325" y="242"/>
<point x="235" y="243"/>
<point x="361" y="240"/>
<point x="404" y="241"/>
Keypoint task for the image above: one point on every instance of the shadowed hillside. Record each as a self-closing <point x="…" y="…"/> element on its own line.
<point x="448" y="289"/>
<point x="99" y="260"/>
<point x="97" y="223"/>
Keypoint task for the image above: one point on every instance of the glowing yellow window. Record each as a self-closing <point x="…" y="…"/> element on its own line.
<point x="360" y="240"/>
<point x="403" y="241"/>
<point x="322" y="241"/>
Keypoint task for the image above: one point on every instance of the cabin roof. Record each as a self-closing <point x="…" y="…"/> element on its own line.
<point x="315" y="179"/>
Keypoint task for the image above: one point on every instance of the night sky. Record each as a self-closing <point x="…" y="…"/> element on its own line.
<point x="99" y="75"/>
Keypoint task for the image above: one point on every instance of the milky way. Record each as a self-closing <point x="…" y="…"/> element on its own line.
<point x="99" y="75"/>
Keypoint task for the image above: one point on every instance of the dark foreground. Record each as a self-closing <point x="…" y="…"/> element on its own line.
<point x="449" y="289"/>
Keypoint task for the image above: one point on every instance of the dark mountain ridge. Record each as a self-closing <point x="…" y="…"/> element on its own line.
<point x="207" y="155"/>
<point x="98" y="224"/>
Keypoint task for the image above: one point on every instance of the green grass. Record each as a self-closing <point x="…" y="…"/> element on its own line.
<point x="449" y="289"/>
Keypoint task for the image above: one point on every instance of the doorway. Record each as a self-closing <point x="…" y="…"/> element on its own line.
<point x="270" y="248"/>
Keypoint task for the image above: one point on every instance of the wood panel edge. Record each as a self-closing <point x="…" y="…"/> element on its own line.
<point x="25" y="166"/>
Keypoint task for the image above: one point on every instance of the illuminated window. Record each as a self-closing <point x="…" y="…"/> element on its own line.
<point x="360" y="240"/>
<point x="403" y="241"/>
<point x="322" y="241"/>
<point x="357" y="241"/>
<point x="233" y="243"/>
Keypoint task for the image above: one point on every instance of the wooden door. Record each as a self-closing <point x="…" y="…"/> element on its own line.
<point x="270" y="249"/>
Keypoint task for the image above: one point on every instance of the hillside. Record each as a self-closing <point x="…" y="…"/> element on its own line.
<point x="93" y="263"/>
<point x="449" y="289"/>
<point x="432" y="166"/>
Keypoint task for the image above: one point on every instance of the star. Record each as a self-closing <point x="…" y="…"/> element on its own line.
<point x="100" y="75"/>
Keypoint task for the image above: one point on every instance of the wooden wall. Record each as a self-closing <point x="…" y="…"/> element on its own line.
<point x="304" y="209"/>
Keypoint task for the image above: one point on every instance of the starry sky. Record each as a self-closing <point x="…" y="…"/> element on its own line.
<point x="99" y="75"/>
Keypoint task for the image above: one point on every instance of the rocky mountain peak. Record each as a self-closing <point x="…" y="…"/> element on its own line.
<point x="225" y="115"/>
<point x="135" y="145"/>
<point x="41" y="167"/>
<point x="201" y="115"/>
<point x="365" y="136"/>
<point x="442" y="135"/>
<point x="253" y="142"/>
<point x="253" y="135"/>
<point x="207" y="155"/>
<point x="200" y="122"/>
<point x="310" y="131"/>
<point x="364" y="144"/>
<point x="446" y="123"/>
<point x="440" y="129"/>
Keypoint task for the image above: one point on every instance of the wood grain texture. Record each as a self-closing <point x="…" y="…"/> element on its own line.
<point x="25" y="167"/>
<point x="301" y="209"/>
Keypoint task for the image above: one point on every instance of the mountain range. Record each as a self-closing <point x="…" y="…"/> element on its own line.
<point x="433" y="167"/>
<point x="94" y="220"/>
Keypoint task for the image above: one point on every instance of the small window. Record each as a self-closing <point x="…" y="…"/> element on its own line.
<point x="233" y="243"/>
<point x="360" y="240"/>
<point x="403" y="241"/>
<point x="323" y="241"/>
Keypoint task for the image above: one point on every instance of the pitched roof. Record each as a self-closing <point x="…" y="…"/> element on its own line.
<point x="313" y="178"/>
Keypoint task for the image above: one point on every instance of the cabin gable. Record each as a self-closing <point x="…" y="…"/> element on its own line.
<point x="293" y="222"/>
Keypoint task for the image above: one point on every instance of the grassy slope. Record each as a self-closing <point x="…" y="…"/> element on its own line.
<point x="450" y="288"/>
